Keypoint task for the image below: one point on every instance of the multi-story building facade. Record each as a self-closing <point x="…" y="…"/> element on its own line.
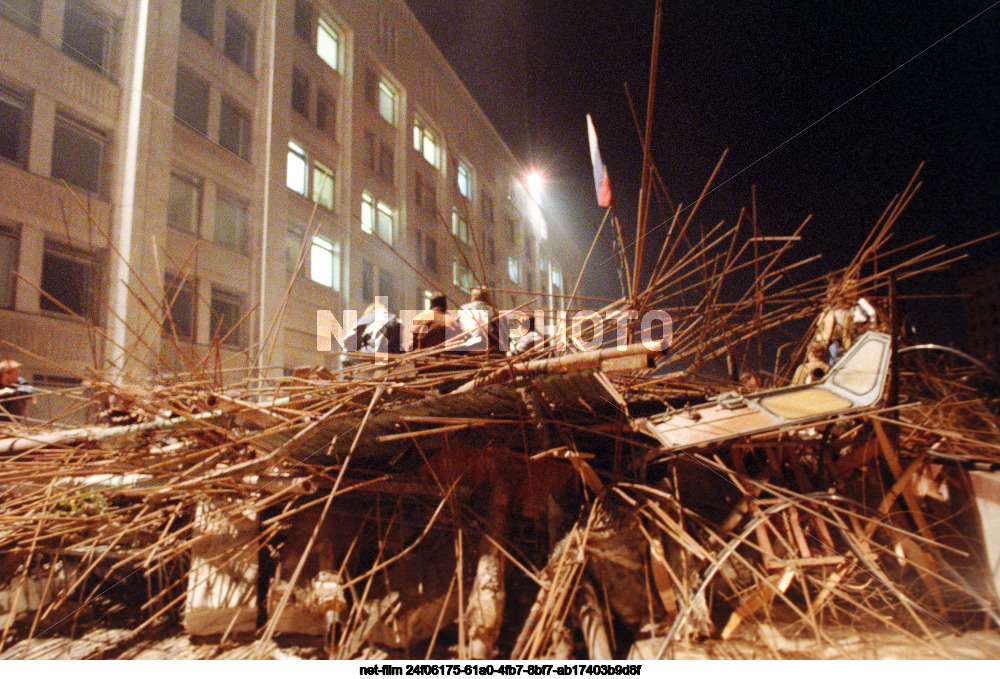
<point x="241" y="164"/>
<point x="981" y="291"/>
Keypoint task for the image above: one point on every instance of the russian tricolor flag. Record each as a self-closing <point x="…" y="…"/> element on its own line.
<point x="601" y="182"/>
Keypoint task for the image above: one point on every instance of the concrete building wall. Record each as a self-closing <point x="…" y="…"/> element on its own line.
<point x="236" y="94"/>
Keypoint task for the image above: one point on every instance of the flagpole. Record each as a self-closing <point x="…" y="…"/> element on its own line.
<point x="644" y="193"/>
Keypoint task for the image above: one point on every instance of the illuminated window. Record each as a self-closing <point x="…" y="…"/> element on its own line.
<point x="298" y="168"/>
<point x="556" y="277"/>
<point x="460" y="275"/>
<point x="367" y="213"/>
<point x="463" y="178"/>
<point x="513" y="269"/>
<point x="328" y="43"/>
<point x="459" y="226"/>
<point x="323" y="185"/>
<point x="386" y="222"/>
<point x="425" y="142"/>
<point x="324" y="262"/>
<point x="387" y="102"/>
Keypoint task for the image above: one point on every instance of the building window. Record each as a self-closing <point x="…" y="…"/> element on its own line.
<point x="191" y="101"/>
<point x="491" y="250"/>
<point x="387" y="35"/>
<point x="326" y="112"/>
<point x="303" y="20"/>
<point x="8" y="264"/>
<point x="328" y="43"/>
<point x="530" y="282"/>
<point x="78" y="154"/>
<point x="377" y="218"/>
<point x="88" y="36"/>
<point x="487" y="206"/>
<point x="386" y="222"/>
<point x="431" y="254"/>
<point x="425" y="143"/>
<point x="69" y="279"/>
<point x="367" y="213"/>
<point x="367" y="282"/>
<point x="513" y="269"/>
<point x="179" y="307"/>
<point x="371" y="158"/>
<point x="463" y="179"/>
<point x="425" y="194"/>
<point x="323" y="185"/>
<point x="227" y="315"/>
<point x="298" y="168"/>
<point x="387" y="102"/>
<point x="231" y="222"/>
<point x="459" y="226"/>
<point x="239" y="40"/>
<point x="324" y="262"/>
<point x="386" y="285"/>
<point x="461" y="277"/>
<point x="556" y="277"/>
<point x="184" y="203"/>
<point x="22" y="13"/>
<point x="529" y="247"/>
<point x="234" y="128"/>
<point x="300" y="92"/>
<point x="293" y="249"/>
<point x="386" y="163"/>
<point x="198" y="15"/>
<point x="14" y="121"/>
<point x="511" y="230"/>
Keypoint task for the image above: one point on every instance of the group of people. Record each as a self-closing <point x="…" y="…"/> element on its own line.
<point x="475" y="327"/>
<point x="847" y="316"/>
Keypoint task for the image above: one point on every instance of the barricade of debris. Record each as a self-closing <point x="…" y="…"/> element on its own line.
<point x="616" y="502"/>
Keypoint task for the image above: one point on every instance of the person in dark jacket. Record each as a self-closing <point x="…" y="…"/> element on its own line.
<point x="432" y="326"/>
<point x="377" y="331"/>
<point x="15" y="392"/>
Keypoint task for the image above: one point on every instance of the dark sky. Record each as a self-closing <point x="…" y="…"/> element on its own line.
<point x="826" y="107"/>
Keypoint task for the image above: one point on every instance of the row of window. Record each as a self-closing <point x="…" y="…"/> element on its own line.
<point x="309" y="177"/>
<point x="78" y="150"/>
<point x="89" y="35"/>
<point x="191" y="102"/>
<point x="237" y="36"/>
<point x="180" y="313"/>
<point x="184" y="211"/>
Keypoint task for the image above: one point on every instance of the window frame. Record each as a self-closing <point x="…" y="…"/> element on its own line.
<point x="30" y="22"/>
<point x="460" y="226"/>
<point x="242" y="205"/>
<point x="67" y="123"/>
<point x="73" y="42"/>
<point x="332" y="30"/>
<point x="243" y="133"/>
<point x="173" y="286"/>
<point x="204" y="21"/>
<point x="236" y="338"/>
<point x="330" y="186"/>
<point x="21" y="101"/>
<point x="192" y="81"/>
<point x="86" y="260"/>
<point x="296" y="150"/>
<point x="244" y="58"/>
<point x="300" y="92"/>
<point x="199" y="196"/>
<point x="8" y="286"/>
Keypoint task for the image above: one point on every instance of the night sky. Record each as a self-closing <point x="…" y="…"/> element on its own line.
<point x="827" y="108"/>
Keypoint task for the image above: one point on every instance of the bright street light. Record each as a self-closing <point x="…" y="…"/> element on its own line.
<point x="535" y="181"/>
